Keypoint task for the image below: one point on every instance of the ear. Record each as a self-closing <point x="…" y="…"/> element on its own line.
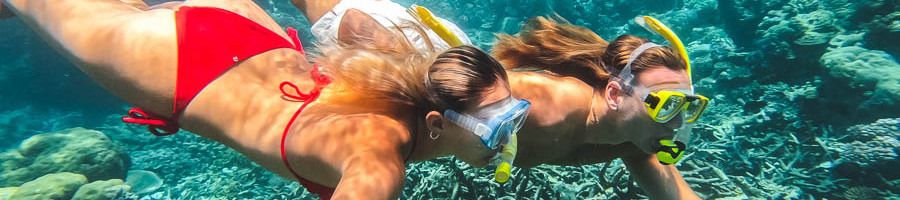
<point x="358" y="27"/>
<point x="613" y="94"/>
<point x="434" y="121"/>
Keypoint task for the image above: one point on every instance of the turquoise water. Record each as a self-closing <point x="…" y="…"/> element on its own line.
<point x="806" y="105"/>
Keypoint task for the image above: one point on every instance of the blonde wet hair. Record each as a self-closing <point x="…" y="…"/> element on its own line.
<point x="396" y="76"/>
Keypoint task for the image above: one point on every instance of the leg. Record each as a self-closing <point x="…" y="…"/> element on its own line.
<point x="130" y="52"/>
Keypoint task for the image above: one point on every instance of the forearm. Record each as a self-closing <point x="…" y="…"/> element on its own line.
<point x="371" y="177"/>
<point x="657" y="180"/>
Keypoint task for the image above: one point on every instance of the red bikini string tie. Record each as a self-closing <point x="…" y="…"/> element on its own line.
<point x="157" y="125"/>
<point x="321" y="81"/>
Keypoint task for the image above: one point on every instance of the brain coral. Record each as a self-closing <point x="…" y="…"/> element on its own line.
<point x="76" y="150"/>
<point x="51" y="186"/>
<point x="875" y="73"/>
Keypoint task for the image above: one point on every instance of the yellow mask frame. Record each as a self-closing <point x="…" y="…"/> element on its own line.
<point x="658" y="102"/>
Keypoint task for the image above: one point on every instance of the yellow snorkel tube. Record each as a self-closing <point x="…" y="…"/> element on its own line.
<point x="670" y="151"/>
<point x="654" y="26"/>
<point x="507" y="156"/>
<point x="424" y="16"/>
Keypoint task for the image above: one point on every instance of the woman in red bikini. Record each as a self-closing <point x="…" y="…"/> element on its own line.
<point x="223" y="69"/>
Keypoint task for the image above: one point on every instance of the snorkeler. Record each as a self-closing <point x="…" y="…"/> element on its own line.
<point x="588" y="107"/>
<point x="223" y="69"/>
<point x="596" y="101"/>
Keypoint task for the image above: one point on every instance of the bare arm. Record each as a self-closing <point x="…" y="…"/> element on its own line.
<point x="659" y="181"/>
<point x="371" y="175"/>
<point x="367" y="152"/>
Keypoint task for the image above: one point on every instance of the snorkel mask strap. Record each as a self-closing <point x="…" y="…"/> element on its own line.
<point x="625" y="75"/>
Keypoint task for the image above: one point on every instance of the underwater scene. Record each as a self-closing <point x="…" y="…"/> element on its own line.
<point x="804" y="104"/>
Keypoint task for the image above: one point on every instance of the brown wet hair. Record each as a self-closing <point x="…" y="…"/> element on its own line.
<point x="570" y="50"/>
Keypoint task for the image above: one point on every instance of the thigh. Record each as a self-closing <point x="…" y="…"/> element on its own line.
<point x="129" y="51"/>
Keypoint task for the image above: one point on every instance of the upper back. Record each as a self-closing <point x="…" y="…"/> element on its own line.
<point x="554" y="99"/>
<point x="556" y="118"/>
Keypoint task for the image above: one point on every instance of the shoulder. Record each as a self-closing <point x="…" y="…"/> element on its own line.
<point x="553" y="98"/>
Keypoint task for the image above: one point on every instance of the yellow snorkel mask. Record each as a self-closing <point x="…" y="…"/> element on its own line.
<point x="665" y="105"/>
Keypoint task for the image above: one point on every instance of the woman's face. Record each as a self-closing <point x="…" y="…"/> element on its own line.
<point x="640" y="128"/>
<point x="470" y="148"/>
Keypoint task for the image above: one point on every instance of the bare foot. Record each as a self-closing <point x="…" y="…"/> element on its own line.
<point x="5" y="13"/>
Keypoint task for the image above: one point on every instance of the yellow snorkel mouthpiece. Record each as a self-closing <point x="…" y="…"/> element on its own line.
<point x="655" y="26"/>
<point x="670" y="152"/>
<point x="425" y="17"/>
<point x="507" y="156"/>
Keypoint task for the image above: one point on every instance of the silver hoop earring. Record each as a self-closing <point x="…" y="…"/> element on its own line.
<point x="433" y="136"/>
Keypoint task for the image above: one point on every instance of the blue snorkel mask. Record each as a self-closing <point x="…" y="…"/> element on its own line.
<point x="493" y="124"/>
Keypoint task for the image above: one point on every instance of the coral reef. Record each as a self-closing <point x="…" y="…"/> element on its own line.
<point x="143" y="181"/>
<point x="76" y="150"/>
<point x="191" y="166"/>
<point x="868" y="151"/>
<point x="7" y="192"/>
<point x="102" y="190"/>
<point x="58" y="186"/>
<point x="867" y="80"/>
<point x="862" y="193"/>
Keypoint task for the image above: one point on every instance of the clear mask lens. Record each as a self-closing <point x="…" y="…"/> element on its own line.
<point x="509" y="127"/>
<point x="693" y="110"/>
<point x="670" y="108"/>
